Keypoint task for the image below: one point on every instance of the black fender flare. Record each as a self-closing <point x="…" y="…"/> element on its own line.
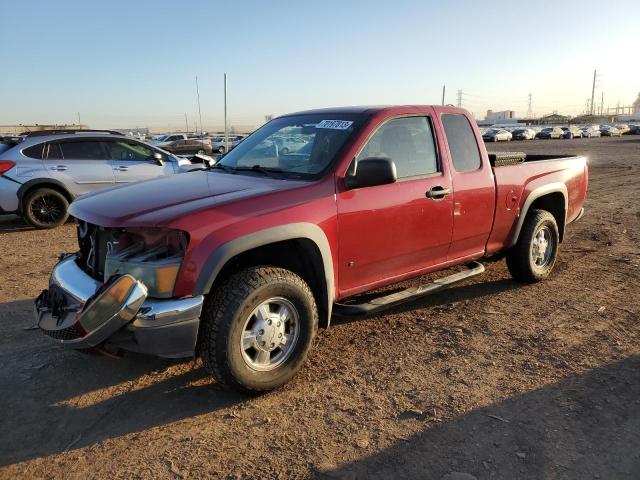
<point x="534" y="195"/>
<point x="216" y="261"/>
<point x="44" y="182"/>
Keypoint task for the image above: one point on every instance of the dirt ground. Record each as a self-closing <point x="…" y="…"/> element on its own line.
<point x="492" y="378"/>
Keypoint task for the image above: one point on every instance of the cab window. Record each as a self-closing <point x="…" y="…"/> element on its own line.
<point x="409" y="142"/>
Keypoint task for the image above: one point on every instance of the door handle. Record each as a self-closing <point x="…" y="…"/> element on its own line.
<point x="60" y="168"/>
<point x="121" y="168"/>
<point x="437" y="192"/>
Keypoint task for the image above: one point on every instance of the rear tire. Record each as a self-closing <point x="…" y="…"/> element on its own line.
<point x="533" y="256"/>
<point x="246" y="316"/>
<point x="45" y="208"/>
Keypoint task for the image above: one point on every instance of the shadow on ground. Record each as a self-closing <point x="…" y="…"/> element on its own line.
<point x="13" y="223"/>
<point x="67" y="399"/>
<point x="587" y="426"/>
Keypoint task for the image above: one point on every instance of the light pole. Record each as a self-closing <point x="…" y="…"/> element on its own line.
<point x="226" y="134"/>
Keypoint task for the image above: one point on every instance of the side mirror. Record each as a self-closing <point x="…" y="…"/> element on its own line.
<point x="157" y="158"/>
<point x="371" y="172"/>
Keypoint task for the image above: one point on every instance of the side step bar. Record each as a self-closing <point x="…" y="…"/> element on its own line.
<point x="381" y="303"/>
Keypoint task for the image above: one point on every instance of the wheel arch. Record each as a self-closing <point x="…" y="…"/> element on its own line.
<point x="553" y="198"/>
<point x="300" y="247"/>
<point x="43" y="183"/>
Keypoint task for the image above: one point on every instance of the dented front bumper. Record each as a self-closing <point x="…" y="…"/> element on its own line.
<point x="80" y="312"/>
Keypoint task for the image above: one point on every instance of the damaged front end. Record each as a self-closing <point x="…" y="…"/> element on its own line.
<point x="117" y="290"/>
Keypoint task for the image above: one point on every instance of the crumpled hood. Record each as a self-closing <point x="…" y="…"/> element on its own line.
<point x="158" y="201"/>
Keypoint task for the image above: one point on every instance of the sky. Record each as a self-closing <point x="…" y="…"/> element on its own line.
<point x="126" y="64"/>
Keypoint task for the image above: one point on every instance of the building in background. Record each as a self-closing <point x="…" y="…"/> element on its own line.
<point x="502" y="115"/>
<point x="552" y="119"/>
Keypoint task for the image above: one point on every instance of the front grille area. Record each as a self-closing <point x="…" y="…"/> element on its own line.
<point x="69" y="333"/>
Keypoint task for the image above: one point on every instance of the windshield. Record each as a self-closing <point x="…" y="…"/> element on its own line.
<point x="163" y="138"/>
<point x="301" y="146"/>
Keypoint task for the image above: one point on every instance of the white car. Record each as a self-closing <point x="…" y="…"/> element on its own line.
<point x="497" y="135"/>
<point x="218" y="143"/>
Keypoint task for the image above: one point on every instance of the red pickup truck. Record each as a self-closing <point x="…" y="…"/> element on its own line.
<point x="241" y="263"/>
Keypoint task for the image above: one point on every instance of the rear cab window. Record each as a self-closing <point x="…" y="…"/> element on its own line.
<point x="463" y="146"/>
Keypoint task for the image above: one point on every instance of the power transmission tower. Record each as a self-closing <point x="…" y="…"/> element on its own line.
<point x="459" y="98"/>
<point x="593" y="89"/>
<point x="601" y="102"/>
<point x="530" y="109"/>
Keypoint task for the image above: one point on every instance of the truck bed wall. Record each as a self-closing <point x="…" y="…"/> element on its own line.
<point x="514" y="183"/>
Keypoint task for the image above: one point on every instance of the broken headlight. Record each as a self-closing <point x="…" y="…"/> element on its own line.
<point x="152" y="255"/>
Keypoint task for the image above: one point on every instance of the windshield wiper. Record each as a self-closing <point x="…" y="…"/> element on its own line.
<point x="225" y="168"/>
<point x="268" y="171"/>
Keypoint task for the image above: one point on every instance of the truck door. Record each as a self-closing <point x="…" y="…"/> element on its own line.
<point x="473" y="188"/>
<point x="388" y="231"/>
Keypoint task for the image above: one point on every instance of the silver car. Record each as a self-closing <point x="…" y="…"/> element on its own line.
<point x="42" y="172"/>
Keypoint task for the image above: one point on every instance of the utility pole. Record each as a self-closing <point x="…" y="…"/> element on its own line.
<point x="459" y="98"/>
<point x="530" y="109"/>
<point x="199" y="111"/>
<point x="226" y="134"/>
<point x="593" y="89"/>
<point x="444" y="89"/>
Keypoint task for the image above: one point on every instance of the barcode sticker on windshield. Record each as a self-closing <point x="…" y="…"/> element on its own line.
<point x="335" y="124"/>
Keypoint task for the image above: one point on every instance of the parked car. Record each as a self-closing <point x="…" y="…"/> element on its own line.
<point x="241" y="259"/>
<point x="218" y="144"/>
<point x="168" y="139"/>
<point x="609" y="131"/>
<point x="42" y="172"/>
<point x="550" y="132"/>
<point x="290" y="144"/>
<point x="189" y="146"/>
<point x="523" y="134"/>
<point x="634" y="129"/>
<point x="623" y="128"/>
<point x="589" y="132"/>
<point x="571" y="131"/>
<point x="496" y="135"/>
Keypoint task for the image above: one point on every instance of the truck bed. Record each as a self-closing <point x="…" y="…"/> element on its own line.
<point x="517" y="175"/>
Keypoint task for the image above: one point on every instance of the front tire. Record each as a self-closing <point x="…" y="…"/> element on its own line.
<point x="221" y="149"/>
<point x="45" y="208"/>
<point x="257" y="328"/>
<point x="533" y="256"/>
